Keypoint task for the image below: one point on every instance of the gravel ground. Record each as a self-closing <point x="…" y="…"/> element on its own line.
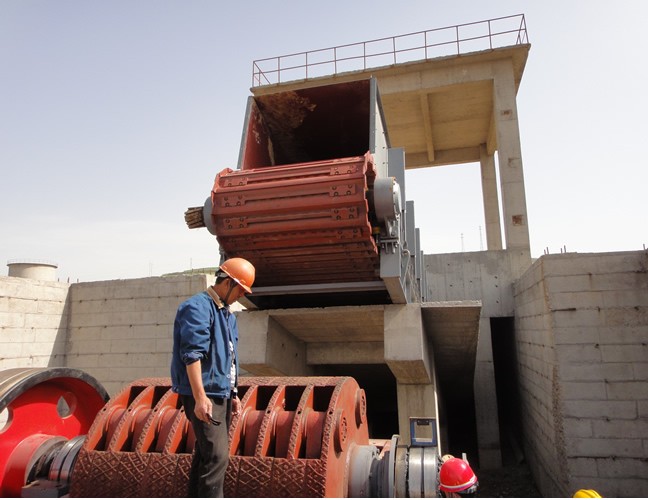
<point x="512" y="481"/>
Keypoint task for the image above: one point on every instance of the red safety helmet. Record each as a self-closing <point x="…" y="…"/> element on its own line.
<point x="241" y="271"/>
<point x="456" y="476"/>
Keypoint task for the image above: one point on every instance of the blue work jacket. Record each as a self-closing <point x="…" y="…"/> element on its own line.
<point x="201" y="332"/>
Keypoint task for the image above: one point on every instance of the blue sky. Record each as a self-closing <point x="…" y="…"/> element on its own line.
<point x="115" y="117"/>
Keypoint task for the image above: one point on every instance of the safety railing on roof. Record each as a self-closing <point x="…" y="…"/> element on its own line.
<point x="422" y="45"/>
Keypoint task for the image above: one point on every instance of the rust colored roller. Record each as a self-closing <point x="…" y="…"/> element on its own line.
<point x="293" y="437"/>
<point x="140" y="444"/>
<point x="304" y="429"/>
<point x="301" y="223"/>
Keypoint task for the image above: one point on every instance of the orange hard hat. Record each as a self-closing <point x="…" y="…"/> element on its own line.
<point x="241" y="271"/>
<point x="456" y="476"/>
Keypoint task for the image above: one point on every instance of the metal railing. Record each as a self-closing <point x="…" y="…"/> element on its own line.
<point x="422" y="45"/>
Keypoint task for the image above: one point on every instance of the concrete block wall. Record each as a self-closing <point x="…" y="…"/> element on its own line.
<point x="33" y="322"/>
<point x="582" y="347"/>
<point x="538" y="383"/>
<point x="120" y="331"/>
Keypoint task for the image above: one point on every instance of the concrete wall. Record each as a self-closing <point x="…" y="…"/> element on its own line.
<point x="117" y="331"/>
<point x="33" y="322"/>
<point x="120" y="331"/>
<point x="488" y="277"/>
<point x="582" y="347"/>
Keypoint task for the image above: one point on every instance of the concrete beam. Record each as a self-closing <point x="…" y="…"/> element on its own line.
<point x="268" y="349"/>
<point x="406" y="346"/>
<point x="333" y="324"/>
<point x="427" y="125"/>
<point x="443" y="157"/>
<point x="345" y="353"/>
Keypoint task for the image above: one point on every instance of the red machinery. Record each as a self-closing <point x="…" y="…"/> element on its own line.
<point x="300" y="224"/>
<point x="315" y="203"/>
<point x="304" y="437"/>
<point x="46" y="410"/>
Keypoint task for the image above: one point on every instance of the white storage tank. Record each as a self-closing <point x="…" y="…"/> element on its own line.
<point x="33" y="269"/>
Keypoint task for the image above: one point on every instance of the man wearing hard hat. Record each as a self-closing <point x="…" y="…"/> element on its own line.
<point x="204" y="371"/>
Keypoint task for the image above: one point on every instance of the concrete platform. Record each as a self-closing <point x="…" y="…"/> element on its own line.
<point x="418" y="343"/>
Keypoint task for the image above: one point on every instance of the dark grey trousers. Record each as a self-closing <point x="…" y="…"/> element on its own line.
<point x="211" y="454"/>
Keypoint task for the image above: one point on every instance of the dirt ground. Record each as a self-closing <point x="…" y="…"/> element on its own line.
<point x="511" y="481"/>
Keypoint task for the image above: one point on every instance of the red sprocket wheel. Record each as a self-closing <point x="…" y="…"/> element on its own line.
<point x="44" y="408"/>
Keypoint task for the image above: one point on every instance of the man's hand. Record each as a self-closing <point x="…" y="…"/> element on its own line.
<point x="203" y="409"/>
<point x="236" y="406"/>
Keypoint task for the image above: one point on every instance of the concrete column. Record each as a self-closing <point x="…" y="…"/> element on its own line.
<point x="491" y="200"/>
<point x="509" y="152"/>
<point x="410" y="358"/>
<point x="406" y="347"/>
<point x="488" y="438"/>
<point x="416" y="400"/>
<point x="267" y="349"/>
